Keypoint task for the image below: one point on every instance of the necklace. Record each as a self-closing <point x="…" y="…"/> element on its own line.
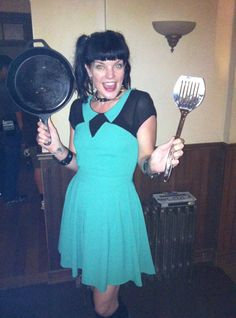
<point x="104" y="99"/>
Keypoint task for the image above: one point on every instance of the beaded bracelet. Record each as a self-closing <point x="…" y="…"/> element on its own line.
<point x="67" y="159"/>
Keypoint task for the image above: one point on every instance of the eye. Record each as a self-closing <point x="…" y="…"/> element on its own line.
<point x="98" y="66"/>
<point x="119" y="65"/>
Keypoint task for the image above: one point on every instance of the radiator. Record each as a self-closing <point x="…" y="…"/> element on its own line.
<point x="170" y="222"/>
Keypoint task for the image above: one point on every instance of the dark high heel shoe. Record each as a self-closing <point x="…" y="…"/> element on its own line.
<point x="121" y="312"/>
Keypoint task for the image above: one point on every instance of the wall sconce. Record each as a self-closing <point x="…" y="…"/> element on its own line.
<point x="173" y="30"/>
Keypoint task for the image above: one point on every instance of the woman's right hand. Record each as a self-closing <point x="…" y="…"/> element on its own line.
<point x="48" y="137"/>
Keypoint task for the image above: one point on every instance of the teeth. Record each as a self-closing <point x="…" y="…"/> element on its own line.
<point x="109" y="84"/>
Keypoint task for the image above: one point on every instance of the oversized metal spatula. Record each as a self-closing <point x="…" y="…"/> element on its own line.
<point x="188" y="94"/>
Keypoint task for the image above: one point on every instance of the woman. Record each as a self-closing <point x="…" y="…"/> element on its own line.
<point x="11" y="126"/>
<point x="112" y="128"/>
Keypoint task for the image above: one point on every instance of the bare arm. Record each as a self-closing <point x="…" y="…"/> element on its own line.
<point x="146" y="139"/>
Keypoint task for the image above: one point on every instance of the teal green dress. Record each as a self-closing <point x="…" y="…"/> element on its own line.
<point x="103" y="231"/>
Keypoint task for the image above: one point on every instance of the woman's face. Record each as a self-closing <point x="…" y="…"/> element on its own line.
<point x="107" y="77"/>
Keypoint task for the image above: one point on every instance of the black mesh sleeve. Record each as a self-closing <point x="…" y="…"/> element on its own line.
<point x="76" y="115"/>
<point x="138" y="108"/>
<point x="144" y="109"/>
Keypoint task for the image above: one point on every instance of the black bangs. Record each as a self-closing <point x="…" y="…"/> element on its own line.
<point x="108" y="46"/>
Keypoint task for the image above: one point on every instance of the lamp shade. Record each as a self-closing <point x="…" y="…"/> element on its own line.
<point x="173" y="30"/>
<point x="173" y="27"/>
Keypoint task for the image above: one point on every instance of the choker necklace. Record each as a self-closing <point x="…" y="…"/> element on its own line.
<point x="104" y="99"/>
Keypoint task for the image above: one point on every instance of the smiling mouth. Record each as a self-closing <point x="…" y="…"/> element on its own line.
<point x="109" y="86"/>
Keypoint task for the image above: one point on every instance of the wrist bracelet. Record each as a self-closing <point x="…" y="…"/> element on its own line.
<point x="147" y="171"/>
<point x="67" y="159"/>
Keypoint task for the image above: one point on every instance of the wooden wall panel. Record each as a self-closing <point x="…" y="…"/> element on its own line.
<point x="201" y="173"/>
<point x="55" y="181"/>
<point x="226" y="250"/>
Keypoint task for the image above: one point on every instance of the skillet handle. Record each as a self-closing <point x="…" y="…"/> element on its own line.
<point x="30" y="44"/>
<point x="44" y="119"/>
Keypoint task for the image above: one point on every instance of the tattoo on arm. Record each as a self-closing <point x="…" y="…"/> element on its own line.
<point x="59" y="150"/>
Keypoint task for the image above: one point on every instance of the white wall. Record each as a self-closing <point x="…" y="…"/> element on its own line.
<point x="206" y="52"/>
<point x="230" y="122"/>
<point x="156" y="69"/>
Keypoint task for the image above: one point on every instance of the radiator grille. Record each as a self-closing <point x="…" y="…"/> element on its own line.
<point x="171" y="226"/>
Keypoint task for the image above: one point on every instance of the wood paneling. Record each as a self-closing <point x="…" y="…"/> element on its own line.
<point x="226" y="250"/>
<point x="55" y="181"/>
<point x="201" y="173"/>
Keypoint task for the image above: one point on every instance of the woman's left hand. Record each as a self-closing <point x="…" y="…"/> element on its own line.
<point x="159" y="156"/>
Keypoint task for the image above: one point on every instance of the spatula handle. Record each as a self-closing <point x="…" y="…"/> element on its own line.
<point x="169" y="167"/>
<point x="184" y="114"/>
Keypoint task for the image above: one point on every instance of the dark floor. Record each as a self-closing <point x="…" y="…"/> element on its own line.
<point x="23" y="249"/>
<point x="211" y="294"/>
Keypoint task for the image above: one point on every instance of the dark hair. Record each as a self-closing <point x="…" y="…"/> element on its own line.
<point x="5" y="60"/>
<point x="107" y="45"/>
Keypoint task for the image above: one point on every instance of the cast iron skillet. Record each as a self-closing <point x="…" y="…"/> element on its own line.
<point x="40" y="80"/>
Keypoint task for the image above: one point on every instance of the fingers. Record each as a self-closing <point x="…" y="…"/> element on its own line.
<point x="175" y="157"/>
<point x="177" y="151"/>
<point x="178" y="141"/>
<point x="178" y="144"/>
<point x="174" y="144"/>
<point x="170" y="142"/>
<point x="174" y="162"/>
<point x="44" y="136"/>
